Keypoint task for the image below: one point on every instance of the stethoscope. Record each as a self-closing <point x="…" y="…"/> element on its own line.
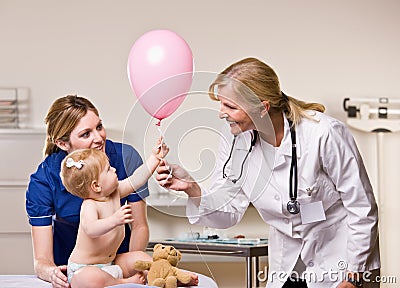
<point x="293" y="206"/>
<point x="253" y="142"/>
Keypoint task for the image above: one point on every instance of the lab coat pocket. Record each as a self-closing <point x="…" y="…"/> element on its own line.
<point x="331" y="247"/>
<point x="309" y="192"/>
<point x="328" y="193"/>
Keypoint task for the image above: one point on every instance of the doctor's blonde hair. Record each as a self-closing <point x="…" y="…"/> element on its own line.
<point x="252" y="76"/>
<point x="76" y="180"/>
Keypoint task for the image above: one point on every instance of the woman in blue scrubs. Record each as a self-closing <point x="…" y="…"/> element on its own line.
<point x="73" y="123"/>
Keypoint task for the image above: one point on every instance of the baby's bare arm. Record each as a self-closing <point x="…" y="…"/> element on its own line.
<point x="143" y="172"/>
<point x="95" y="227"/>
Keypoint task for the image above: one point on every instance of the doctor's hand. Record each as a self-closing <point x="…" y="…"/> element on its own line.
<point x="178" y="180"/>
<point x="173" y="176"/>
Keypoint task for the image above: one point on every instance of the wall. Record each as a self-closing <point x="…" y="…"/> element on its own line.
<point x="322" y="50"/>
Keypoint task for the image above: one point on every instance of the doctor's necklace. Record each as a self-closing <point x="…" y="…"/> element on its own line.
<point x="293" y="206"/>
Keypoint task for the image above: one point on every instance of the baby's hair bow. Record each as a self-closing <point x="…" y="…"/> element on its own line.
<point x="78" y="164"/>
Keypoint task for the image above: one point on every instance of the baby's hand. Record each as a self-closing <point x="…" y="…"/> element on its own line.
<point x="161" y="150"/>
<point x="123" y="215"/>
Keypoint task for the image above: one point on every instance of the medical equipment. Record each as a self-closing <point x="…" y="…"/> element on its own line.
<point x="293" y="206"/>
<point x="253" y="142"/>
<point x="373" y="115"/>
<point x="380" y="116"/>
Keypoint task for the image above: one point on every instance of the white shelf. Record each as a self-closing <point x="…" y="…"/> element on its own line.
<point x="22" y="131"/>
<point x="13" y="183"/>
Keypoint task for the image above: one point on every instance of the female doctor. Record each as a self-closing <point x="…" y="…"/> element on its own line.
<point x="301" y="170"/>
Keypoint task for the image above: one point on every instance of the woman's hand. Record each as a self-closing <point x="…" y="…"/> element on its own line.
<point x="58" y="278"/>
<point x="45" y="269"/>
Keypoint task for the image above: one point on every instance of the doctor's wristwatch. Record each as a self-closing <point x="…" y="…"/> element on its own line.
<point x="355" y="279"/>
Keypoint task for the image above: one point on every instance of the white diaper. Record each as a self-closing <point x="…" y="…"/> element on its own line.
<point x="110" y="268"/>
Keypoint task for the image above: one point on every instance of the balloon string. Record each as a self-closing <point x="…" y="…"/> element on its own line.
<point x="170" y="175"/>
<point x="201" y="255"/>
<point x="161" y="137"/>
<point x="162" y="142"/>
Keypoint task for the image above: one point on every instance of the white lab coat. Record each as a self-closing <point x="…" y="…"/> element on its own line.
<point x="330" y="169"/>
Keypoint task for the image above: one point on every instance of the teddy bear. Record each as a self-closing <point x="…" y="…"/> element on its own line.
<point x="162" y="271"/>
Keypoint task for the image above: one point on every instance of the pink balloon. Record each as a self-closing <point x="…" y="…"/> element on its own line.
<point x="160" y="71"/>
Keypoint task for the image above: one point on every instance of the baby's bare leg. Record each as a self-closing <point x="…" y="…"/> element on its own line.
<point x="138" y="278"/>
<point x="127" y="260"/>
<point x="194" y="280"/>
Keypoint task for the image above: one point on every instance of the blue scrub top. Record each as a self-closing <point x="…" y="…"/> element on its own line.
<point x="49" y="203"/>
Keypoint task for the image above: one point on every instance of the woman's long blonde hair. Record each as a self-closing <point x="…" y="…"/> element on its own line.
<point x="62" y="117"/>
<point x="254" y="76"/>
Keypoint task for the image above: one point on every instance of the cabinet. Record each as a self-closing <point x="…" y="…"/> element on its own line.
<point x="20" y="152"/>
